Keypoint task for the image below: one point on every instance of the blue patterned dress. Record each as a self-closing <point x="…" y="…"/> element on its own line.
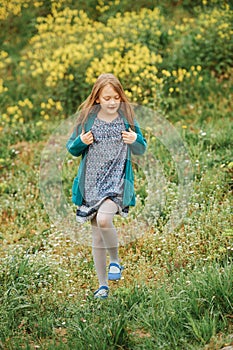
<point x="105" y="166"/>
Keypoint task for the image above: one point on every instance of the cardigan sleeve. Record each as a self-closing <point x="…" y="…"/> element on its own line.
<point x="139" y="145"/>
<point x="75" y="145"/>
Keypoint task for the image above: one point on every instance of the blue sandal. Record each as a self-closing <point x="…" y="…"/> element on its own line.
<point x="114" y="272"/>
<point x="101" y="293"/>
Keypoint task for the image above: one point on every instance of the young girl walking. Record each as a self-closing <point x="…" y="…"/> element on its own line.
<point x="105" y="135"/>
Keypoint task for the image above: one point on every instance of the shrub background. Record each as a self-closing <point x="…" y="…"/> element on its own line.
<point x="171" y="56"/>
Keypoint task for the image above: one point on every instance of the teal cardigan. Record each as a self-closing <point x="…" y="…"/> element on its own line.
<point x="76" y="147"/>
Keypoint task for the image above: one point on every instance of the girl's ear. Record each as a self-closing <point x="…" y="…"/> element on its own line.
<point x="97" y="100"/>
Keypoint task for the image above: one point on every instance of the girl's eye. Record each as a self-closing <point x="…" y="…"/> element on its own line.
<point x="107" y="98"/>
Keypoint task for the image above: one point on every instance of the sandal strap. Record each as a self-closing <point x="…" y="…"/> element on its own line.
<point x="116" y="265"/>
<point x="102" y="288"/>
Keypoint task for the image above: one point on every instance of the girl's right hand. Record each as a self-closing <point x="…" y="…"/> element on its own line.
<point x="87" y="137"/>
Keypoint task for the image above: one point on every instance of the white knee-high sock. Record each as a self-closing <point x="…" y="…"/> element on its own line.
<point x="111" y="242"/>
<point x="99" y="254"/>
<point x="104" y="219"/>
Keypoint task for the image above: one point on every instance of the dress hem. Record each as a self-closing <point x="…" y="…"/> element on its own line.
<point x="83" y="215"/>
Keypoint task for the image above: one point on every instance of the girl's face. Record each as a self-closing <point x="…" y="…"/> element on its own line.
<point x="109" y="100"/>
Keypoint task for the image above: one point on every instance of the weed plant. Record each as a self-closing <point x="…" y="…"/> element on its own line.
<point x="176" y="291"/>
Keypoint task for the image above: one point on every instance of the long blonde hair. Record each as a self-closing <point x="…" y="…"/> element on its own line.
<point x="91" y="106"/>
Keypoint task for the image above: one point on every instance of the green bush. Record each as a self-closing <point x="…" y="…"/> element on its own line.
<point x="206" y="41"/>
<point x="156" y="57"/>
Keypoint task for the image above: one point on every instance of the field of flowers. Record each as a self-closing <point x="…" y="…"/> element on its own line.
<point x="174" y="58"/>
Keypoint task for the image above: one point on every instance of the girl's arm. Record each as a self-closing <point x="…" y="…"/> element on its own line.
<point x="139" y="145"/>
<point x="75" y="145"/>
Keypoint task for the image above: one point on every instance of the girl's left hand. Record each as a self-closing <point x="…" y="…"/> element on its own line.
<point x="129" y="136"/>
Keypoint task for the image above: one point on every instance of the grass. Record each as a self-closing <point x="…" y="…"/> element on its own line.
<point x="177" y="287"/>
<point x="176" y="291"/>
<point x="187" y="309"/>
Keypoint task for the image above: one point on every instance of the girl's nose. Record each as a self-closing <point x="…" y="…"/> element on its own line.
<point x="112" y="101"/>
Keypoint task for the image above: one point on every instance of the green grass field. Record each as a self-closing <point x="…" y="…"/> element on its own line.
<point x="177" y="287"/>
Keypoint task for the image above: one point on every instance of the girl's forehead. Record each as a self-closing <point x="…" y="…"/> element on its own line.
<point x="108" y="90"/>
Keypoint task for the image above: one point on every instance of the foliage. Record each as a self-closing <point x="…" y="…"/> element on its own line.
<point x="189" y="309"/>
<point x="153" y="56"/>
<point x="175" y="57"/>
<point x="209" y="42"/>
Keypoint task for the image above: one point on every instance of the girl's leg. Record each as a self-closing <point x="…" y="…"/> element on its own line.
<point x="104" y="219"/>
<point x="99" y="253"/>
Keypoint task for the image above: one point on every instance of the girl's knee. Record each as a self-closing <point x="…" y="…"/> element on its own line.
<point x="104" y="220"/>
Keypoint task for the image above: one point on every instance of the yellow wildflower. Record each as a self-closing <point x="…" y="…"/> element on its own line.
<point x="21" y="103"/>
<point x="59" y="106"/>
<point x="51" y="102"/>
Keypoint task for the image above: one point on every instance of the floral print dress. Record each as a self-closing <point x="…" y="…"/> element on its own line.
<point x="105" y="167"/>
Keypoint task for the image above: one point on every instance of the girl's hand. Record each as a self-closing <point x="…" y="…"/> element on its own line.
<point x="129" y="136"/>
<point x="87" y="137"/>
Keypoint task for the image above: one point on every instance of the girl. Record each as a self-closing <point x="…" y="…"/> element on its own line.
<point x="105" y="135"/>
